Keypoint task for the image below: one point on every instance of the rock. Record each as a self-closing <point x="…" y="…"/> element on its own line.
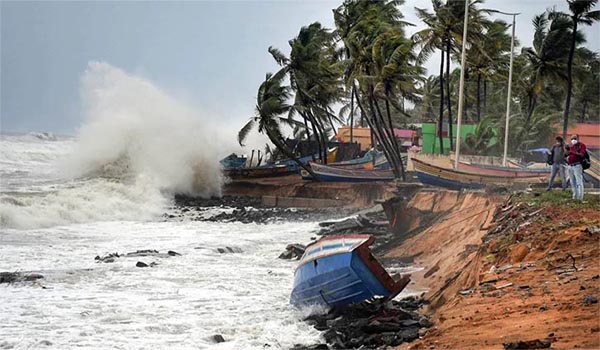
<point x="172" y="253"/>
<point x="529" y="344"/>
<point x="592" y="230"/>
<point x="589" y="299"/>
<point x="293" y="251"/>
<point x="141" y="264"/>
<point x="110" y="258"/>
<point x="32" y="277"/>
<point x="519" y="252"/>
<point x="409" y="334"/>
<point x="13" y="277"/>
<point x="217" y="338"/>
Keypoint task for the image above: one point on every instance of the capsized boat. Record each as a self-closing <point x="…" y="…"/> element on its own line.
<point x="340" y="270"/>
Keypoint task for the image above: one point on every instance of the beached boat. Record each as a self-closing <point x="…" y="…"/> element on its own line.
<point x="436" y="176"/>
<point x="503" y="171"/>
<point x="233" y="161"/>
<point x="261" y="171"/>
<point x="340" y="270"/>
<point x="336" y="174"/>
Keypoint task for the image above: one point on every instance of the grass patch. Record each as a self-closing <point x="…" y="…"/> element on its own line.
<point x="563" y="198"/>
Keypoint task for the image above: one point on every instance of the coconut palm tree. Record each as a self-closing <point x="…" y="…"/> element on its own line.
<point x="315" y="78"/>
<point x="580" y="14"/>
<point x="271" y="109"/>
<point x="546" y="60"/>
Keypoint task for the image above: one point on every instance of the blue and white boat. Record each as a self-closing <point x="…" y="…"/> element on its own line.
<point x="340" y="270"/>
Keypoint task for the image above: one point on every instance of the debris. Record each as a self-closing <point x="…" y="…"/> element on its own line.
<point x="590" y="299"/>
<point x="505" y="285"/>
<point x="529" y="344"/>
<point x="592" y="230"/>
<point x="172" y="253"/>
<point x="226" y="250"/>
<point x="466" y="292"/>
<point x="141" y="264"/>
<point x="217" y="338"/>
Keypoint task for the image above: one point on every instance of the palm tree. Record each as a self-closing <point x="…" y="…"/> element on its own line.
<point x="581" y="14"/>
<point x="271" y="106"/>
<point x="361" y="24"/>
<point x="547" y="58"/>
<point x="315" y="79"/>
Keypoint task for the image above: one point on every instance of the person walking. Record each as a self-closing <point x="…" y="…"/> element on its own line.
<point x="558" y="162"/>
<point x="575" y="154"/>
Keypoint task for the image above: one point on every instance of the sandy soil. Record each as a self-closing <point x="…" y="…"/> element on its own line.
<point x="533" y="290"/>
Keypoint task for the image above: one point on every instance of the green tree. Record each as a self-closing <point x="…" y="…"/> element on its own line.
<point x="580" y="14"/>
<point x="271" y="108"/>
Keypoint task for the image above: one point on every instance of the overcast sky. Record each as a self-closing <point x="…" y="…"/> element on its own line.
<point x="210" y="54"/>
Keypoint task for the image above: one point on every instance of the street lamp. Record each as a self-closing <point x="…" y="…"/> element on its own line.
<point x="461" y="87"/>
<point x="508" y="96"/>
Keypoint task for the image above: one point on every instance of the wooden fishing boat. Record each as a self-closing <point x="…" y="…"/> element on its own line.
<point x="436" y="176"/>
<point x="340" y="270"/>
<point x="255" y="172"/>
<point x="336" y="174"/>
<point x="233" y="161"/>
<point x="503" y="171"/>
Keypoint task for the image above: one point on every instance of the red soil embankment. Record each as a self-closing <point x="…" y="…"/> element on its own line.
<point x="528" y="271"/>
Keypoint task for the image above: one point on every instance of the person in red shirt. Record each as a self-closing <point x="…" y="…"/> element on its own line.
<point x="574" y="154"/>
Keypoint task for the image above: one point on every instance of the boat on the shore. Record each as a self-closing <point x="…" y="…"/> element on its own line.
<point x="256" y="172"/>
<point x="233" y="161"/>
<point x="340" y="270"/>
<point x="453" y="179"/>
<point x="336" y="174"/>
<point x="503" y="171"/>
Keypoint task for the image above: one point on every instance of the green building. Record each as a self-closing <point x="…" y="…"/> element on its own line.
<point x="431" y="143"/>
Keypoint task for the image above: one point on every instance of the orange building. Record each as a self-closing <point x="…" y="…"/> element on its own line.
<point x="589" y="134"/>
<point x="360" y="135"/>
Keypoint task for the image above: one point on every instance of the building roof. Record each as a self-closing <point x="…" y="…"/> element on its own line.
<point x="589" y="134"/>
<point x="404" y="133"/>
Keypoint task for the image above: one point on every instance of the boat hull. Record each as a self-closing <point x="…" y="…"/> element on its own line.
<point x="337" y="274"/>
<point x="336" y="174"/>
<point x="436" y="176"/>
<point x="502" y="171"/>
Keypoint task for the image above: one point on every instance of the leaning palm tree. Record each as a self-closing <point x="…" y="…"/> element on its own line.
<point x="547" y="58"/>
<point x="271" y="106"/>
<point x="580" y="14"/>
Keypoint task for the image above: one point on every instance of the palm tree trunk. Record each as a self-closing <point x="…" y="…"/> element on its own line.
<point x="389" y="115"/>
<point x="583" y="109"/>
<point x="484" y="97"/>
<point x="569" y="80"/>
<point x="312" y="154"/>
<point x="283" y="148"/>
<point x="375" y="136"/>
<point x="478" y="97"/>
<point x="441" y="118"/>
<point x="352" y="115"/>
<point x="389" y="138"/>
<point x="448" y="48"/>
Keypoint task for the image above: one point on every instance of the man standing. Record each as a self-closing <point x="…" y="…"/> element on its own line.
<point x="575" y="154"/>
<point x="557" y="159"/>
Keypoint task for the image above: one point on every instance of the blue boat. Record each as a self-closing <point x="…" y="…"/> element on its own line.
<point x="338" y="174"/>
<point x="340" y="270"/>
<point x="233" y="161"/>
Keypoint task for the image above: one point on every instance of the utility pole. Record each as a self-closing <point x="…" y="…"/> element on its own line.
<point x="461" y="87"/>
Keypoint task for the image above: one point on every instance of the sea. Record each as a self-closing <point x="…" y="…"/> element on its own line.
<point x="109" y="189"/>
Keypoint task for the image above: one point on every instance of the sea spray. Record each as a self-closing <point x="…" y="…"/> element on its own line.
<point x="133" y="125"/>
<point x="137" y="146"/>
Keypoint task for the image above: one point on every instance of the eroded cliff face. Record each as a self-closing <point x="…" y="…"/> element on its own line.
<point x="440" y="232"/>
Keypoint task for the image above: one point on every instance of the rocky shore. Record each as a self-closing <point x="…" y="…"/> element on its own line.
<point x="245" y="209"/>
